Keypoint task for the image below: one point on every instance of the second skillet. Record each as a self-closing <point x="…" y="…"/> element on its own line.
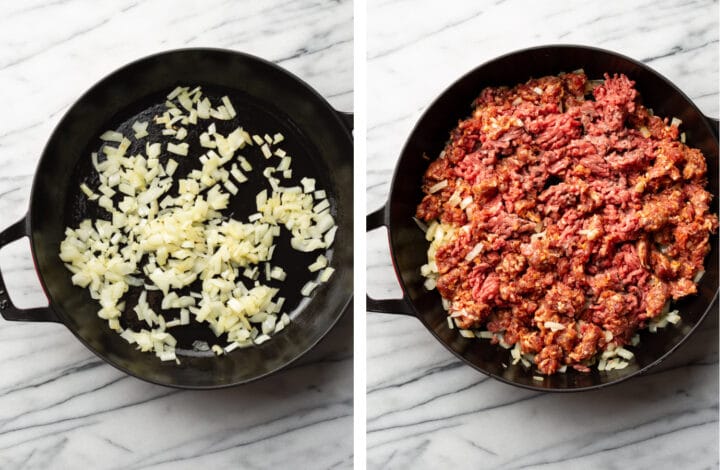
<point x="408" y="245"/>
<point x="265" y="97"/>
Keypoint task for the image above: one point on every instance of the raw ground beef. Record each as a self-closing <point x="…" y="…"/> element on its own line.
<point x="583" y="207"/>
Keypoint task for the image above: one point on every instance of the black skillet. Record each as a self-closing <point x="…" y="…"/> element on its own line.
<point x="408" y="245"/>
<point x="267" y="99"/>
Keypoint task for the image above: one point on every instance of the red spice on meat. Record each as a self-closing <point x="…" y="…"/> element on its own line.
<point x="589" y="211"/>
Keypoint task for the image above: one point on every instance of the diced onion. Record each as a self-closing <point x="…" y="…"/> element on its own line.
<point x="308" y="288"/>
<point x="326" y="274"/>
<point x="178" y="149"/>
<point x="140" y="129"/>
<point x="111" y="136"/>
<point x="438" y="186"/>
<point x="170" y="242"/>
<point x="554" y="326"/>
<point x="476" y="250"/>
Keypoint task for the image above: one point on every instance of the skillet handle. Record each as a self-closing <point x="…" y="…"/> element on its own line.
<point x="714" y="124"/>
<point x="402" y="306"/>
<point x="7" y="309"/>
<point x="348" y="120"/>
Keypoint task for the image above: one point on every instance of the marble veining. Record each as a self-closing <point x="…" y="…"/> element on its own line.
<point x="424" y="408"/>
<point x="60" y="406"/>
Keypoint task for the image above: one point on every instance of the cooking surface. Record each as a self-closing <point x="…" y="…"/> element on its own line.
<point x="255" y="117"/>
<point x="426" y="408"/>
<point x="59" y="403"/>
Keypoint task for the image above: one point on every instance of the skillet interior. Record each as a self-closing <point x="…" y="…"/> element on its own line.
<point x="268" y="99"/>
<point x="429" y="136"/>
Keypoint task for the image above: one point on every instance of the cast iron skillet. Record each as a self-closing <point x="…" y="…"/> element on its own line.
<point x="408" y="245"/>
<point x="267" y="99"/>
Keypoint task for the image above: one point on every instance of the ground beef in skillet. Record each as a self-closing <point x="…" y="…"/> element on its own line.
<point x="583" y="207"/>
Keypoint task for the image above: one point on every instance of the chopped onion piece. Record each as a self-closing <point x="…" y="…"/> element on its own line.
<point x="170" y="167"/>
<point x="476" y="250"/>
<point x="244" y="164"/>
<point x="278" y="273"/>
<point x="554" y="326"/>
<point x="111" y="136"/>
<point x="308" y="288"/>
<point x="237" y="174"/>
<point x="266" y="151"/>
<point x="284" y="164"/>
<point x="229" y="107"/>
<point x="261" y="339"/>
<point x="230" y="186"/>
<point x="330" y="237"/>
<point x="140" y="129"/>
<point x="321" y="206"/>
<point x="88" y="192"/>
<point x="624" y="353"/>
<point x="319" y="263"/>
<point x="178" y="149"/>
<point x="308" y="185"/>
<point x="438" y="186"/>
<point x="326" y="274"/>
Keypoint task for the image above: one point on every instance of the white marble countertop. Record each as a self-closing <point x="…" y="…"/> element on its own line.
<point x="424" y="408"/>
<point x="60" y="406"/>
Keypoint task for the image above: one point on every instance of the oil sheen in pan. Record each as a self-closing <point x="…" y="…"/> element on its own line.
<point x="256" y="118"/>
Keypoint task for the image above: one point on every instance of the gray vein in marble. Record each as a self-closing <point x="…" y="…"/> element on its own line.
<point x="106" y="410"/>
<point x="446" y="417"/>
<point x="420" y="376"/>
<point x="54" y="432"/>
<point x="221" y="449"/>
<point x="23" y="11"/>
<point x="47" y="48"/>
<point x="425" y="402"/>
<point x="426" y="35"/>
<point x="679" y="50"/>
<point x="595" y="448"/>
<point x="304" y="52"/>
<point x="83" y="366"/>
<point x="57" y="403"/>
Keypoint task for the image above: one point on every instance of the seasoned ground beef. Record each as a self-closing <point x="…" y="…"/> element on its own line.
<point x="577" y="215"/>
